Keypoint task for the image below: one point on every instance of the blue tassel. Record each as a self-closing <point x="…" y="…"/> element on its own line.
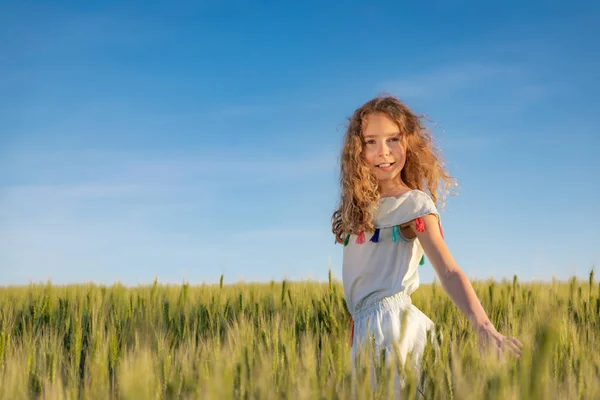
<point x="395" y="233"/>
<point x="422" y="260"/>
<point x="347" y="240"/>
<point x="375" y="237"/>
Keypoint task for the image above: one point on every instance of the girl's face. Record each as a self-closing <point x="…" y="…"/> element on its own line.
<point x="384" y="150"/>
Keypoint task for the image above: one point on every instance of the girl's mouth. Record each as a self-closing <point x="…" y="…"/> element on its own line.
<point x="385" y="166"/>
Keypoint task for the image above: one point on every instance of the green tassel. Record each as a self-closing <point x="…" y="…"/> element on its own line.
<point x="347" y="240"/>
<point x="395" y="233"/>
<point x="422" y="260"/>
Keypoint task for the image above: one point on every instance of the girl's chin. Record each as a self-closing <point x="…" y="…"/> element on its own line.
<point x="389" y="177"/>
<point x="386" y="173"/>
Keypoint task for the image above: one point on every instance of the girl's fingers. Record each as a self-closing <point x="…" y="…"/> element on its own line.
<point x="500" y="346"/>
<point x="513" y="347"/>
<point x="516" y="342"/>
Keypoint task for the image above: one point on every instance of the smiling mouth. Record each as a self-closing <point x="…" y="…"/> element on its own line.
<point x="385" y="165"/>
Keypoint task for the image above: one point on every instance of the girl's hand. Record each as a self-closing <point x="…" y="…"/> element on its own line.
<point x="492" y="340"/>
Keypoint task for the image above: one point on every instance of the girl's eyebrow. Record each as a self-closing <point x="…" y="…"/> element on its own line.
<point x="385" y="134"/>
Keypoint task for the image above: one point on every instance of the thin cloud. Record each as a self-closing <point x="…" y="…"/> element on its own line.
<point x="479" y="142"/>
<point x="57" y="32"/>
<point x="502" y="88"/>
<point x="445" y="81"/>
<point x="274" y="233"/>
<point x="124" y="172"/>
<point x="95" y="190"/>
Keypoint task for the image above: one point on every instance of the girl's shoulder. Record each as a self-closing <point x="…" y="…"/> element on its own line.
<point x="404" y="208"/>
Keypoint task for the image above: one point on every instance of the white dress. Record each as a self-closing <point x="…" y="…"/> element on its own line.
<point x="380" y="272"/>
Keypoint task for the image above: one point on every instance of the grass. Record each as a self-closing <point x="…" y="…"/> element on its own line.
<point x="282" y="340"/>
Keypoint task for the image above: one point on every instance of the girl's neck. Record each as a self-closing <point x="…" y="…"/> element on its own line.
<point x="392" y="189"/>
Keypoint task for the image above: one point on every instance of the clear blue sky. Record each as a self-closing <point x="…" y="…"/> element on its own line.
<point x="181" y="142"/>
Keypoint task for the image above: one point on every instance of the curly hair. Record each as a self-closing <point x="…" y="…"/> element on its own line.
<point x="359" y="189"/>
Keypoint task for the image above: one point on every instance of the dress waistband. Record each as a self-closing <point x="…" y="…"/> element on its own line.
<point x="386" y="303"/>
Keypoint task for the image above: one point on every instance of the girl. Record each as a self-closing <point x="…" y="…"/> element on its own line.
<point x="387" y="223"/>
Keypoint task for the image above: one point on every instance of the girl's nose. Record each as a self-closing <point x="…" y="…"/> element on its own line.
<point x="384" y="150"/>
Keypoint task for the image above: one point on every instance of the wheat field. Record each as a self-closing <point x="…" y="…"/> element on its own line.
<point x="287" y="340"/>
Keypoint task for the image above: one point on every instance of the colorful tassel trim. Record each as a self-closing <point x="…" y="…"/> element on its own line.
<point x="422" y="262"/>
<point x="395" y="232"/>
<point x="360" y="239"/>
<point x="420" y="224"/>
<point x="375" y="237"/>
<point x="351" y="331"/>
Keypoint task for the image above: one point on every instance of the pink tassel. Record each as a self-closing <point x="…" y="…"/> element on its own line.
<point x="420" y="224"/>
<point x="361" y="237"/>
<point x="441" y="231"/>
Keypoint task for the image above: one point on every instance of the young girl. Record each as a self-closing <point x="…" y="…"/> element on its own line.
<point x="387" y="222"/>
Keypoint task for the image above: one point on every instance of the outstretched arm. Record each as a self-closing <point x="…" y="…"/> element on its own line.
<point x="457" y="285"/>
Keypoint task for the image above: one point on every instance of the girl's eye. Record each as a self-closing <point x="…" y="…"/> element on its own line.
<point x="394" y="139"/>
<point x="371" y="141"/>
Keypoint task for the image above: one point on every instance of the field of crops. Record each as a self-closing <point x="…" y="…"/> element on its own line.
<point x="283" y="340"/>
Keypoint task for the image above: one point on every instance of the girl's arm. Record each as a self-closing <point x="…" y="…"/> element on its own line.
<point x="457" y="285"/>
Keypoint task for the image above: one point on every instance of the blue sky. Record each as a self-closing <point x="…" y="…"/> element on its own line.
<point x="186" y="141"/>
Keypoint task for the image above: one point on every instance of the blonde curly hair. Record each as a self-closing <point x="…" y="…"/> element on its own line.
<point x="359" y="189"/>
